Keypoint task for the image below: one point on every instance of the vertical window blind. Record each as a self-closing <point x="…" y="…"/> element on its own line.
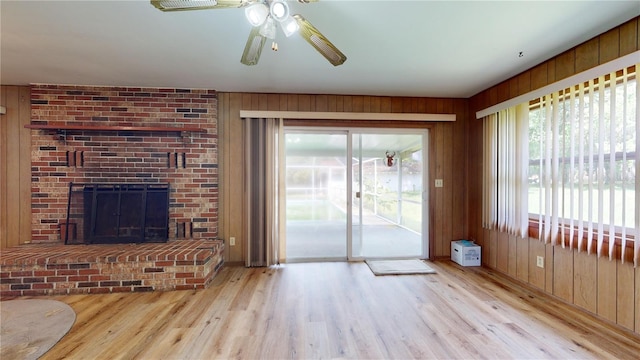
<point x="505" y="171"/>
<point x="586" y="161"/>
<point x="580" y="167"/>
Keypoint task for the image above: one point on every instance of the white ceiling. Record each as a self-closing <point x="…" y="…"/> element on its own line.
<point x="394" y="48"/>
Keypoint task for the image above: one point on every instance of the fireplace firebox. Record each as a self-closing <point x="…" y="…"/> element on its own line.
<point x="117" y="213"/>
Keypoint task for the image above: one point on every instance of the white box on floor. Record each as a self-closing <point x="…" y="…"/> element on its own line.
<point x="466" y="253"/>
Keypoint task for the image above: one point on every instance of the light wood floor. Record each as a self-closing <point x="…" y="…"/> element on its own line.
<point x="339" y="310"/>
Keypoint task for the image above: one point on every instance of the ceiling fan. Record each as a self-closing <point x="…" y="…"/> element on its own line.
<point x="264" y="16"/>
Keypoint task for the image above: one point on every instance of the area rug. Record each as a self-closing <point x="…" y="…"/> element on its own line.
<point x="29" y="328"/>
<point x="399" y="267"/>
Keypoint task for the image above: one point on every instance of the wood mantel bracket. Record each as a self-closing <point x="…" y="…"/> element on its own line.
<point x="62" y="135"/>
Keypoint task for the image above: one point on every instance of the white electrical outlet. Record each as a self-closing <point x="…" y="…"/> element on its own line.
<point x="540" y="261"/>
<point x="439" y="183"/>
<point x="232" y="241"/>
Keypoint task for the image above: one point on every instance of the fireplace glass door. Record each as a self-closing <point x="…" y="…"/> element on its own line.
<point x="120" y="213"/>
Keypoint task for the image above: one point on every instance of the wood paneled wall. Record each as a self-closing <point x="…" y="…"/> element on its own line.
<point x="15" y="167"/>
<point x="609" y="289"/>
<point x="615" y="43"/>
<point x="446" y="154"/>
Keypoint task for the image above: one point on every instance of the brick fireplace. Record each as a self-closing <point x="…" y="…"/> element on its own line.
<point x="185" y="160"/>
<point x="119" y="135"/>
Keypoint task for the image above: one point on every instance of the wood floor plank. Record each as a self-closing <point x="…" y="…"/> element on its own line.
<point x="340" y="310"/>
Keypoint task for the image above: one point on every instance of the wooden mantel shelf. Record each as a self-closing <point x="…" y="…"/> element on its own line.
<point x="116" y="128"/>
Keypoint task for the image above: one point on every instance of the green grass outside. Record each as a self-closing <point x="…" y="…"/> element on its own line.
<point x="626" y="211"/>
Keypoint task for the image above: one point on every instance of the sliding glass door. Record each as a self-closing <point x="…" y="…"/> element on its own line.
<point x="352" y="194"/>
<point x="388" y="195"/>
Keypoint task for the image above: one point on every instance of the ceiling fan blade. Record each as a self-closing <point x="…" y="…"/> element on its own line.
<point x="319" y="41"/>
<point x="253" y="48"/>
<point x="179" y="5"/>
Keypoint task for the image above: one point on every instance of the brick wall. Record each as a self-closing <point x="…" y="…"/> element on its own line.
<point x="188" y="163"/>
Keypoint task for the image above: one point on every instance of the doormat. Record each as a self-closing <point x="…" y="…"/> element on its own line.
<point x="31" y="327"/>
<point x="399" y="267"/>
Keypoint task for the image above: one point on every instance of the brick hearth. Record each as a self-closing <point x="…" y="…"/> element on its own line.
<point x="52" y="269"/>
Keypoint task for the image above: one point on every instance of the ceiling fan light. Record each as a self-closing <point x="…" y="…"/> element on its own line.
<point x="279" y="10"/>
<point x="256" y="14"/>
<point x="268" y="29"/>
<point x="290" y="26"/>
